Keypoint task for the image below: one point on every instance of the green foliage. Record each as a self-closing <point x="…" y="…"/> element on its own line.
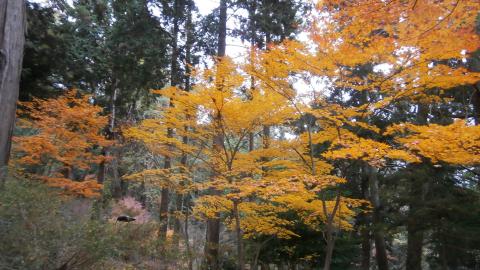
<point x="45" y="53"/>
<point x="38" y="231"/>
<point x="96" y="46"/>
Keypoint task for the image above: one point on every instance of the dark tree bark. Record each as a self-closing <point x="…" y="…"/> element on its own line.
<point x="222" y="29"/>
<point x="12" y="40"/>
<point x="365" y="230"/>
<point x="183" y="203"/>
<point x="101" y="169"/>
<point x="366" y="248"/>
<point x="476" y="103"/>
<point x="415" y="241"/>
<point x="415" y="229"/>
<point x="378" y="233"/>
<point x="116" y="186"/>
<point x="415" y="232"/>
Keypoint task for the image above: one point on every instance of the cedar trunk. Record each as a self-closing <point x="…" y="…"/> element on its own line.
<point x="12" y="40"/>
<point x="415" y="241"/>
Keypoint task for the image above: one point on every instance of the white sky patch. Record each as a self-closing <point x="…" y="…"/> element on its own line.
<point x="284" y="133"/>
<point x="384" y="68"/>
<point x="206" y="6"/>
<point x="464" y="59"/>
<point x="311" y="88"/>
<point x="203" y="116"/>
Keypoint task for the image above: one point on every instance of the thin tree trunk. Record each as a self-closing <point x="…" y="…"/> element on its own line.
<point x="257" y="253"/>
<point x="165" y="200"/>
<point x="12" y="40"/>
<point x="187" y="237"/>
<point x="101" y="169"/>
<point x="476" y="104"/>
<point x="378" y="234"/>
<point x="238" y="232"/>
<point x="184" y="159"/>
<point x="177" y="222"/>
<point x="365" y="229"/>
<point x="266" y="137"/>
<point x="330" y="237"/>
<point x="251" y="16"/>
<point x="116" y="187"/>
<point x="222" y="29"/>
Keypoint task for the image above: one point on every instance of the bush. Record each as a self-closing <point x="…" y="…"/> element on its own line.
<point x="40" y="231"/>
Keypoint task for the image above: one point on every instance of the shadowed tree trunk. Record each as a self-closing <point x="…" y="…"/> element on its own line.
<point x="365" y="229"/>
<point x="12" y="40"/>
<point x="415" y="241"/>
<point x="116" y="186"/>
<point x="476" y="103"/>
<point x="417" y="198"/>
<point x="378" y="233"/>
<point x="330" y="231"/>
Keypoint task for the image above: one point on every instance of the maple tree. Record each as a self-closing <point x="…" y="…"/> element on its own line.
<point x="417" y="54"/>
<point x="419" y="44"/>
<point x="62" y="136"/>
<point x="253" y="186"/>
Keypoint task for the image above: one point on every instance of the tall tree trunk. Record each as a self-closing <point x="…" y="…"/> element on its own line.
<point x="187" y="237"/>
<point x="378" y="233"/>
<point x="415" y="241"/>
<point x="12" y="40"/>
<point x="116" y="187"/>
<point x="101" y="169"/>
<point x="163" y="212"/>
<point x="366" y="248"/>
<point x="365" y="229"/>
<point x="174" y="76"/>
<point x="182" y="199"/>
<point x="417" y="194"/>
<point x="177" y="221"/>
<point x="222" y="29"/>
<point x="415" y="230"/>
<point x="253" y="31"/>
<point x="212" y="244"/>
<point x="213" y="224"/>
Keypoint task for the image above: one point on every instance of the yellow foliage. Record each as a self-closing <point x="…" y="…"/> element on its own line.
<point x="456" y="144"/>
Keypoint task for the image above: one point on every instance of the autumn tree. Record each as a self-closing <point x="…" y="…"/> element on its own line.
<point x="62" y="141"/>
<point x="416" y="53"/>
